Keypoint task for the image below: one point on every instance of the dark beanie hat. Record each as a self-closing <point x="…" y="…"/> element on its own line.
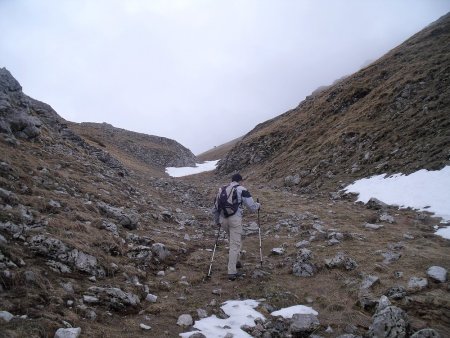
<point x="236" y="178"/>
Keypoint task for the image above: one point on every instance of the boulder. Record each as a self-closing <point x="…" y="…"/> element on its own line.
<point x="340" y="260"/>
<point x="6" y="316"/>
<point x="390" y="322"/>
<point x="391" y="256"/>
<point x="369" y="281"/>
<point x="302" y="269"/>
<point x="396" y="292"/>
<point x="68" y="332"/>
<point x="160" y="251"/>
<point x="115" y="298"/>
<point x="437" y="273"/>
<point x="417" y="284"/>
<point x="303" y="324"/>
<point x="185" y="320"/>
<point x="376" y="204"/>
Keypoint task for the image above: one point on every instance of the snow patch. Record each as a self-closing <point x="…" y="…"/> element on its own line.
<point x="185" y="171"/>
<point x="423" y="190"/>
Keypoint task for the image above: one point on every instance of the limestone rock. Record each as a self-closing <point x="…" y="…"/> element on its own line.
<point x="6" y="316"/>
<point x="185" y="320"/>
<point x="303" y="324"/>
<point x="437" y="273"/>
<point x="160" y="251"/>
<point x="390" y="322"/>
<point x="115" y="298"/>
<point x="396" y="292"/>
<point x="417" y="284"/>
<point x="68" y="333"/>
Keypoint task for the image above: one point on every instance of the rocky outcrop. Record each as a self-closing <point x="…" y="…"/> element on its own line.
<point x="156" y="151"/>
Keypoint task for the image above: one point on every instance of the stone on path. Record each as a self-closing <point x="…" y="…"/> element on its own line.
<point x="437" y="273"/>
<point x="73" y="332"/>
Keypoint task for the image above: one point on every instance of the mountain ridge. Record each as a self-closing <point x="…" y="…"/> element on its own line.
<point x="397" y="102"/>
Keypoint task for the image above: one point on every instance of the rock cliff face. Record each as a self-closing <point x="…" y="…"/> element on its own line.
<point x="158" y="152"/>
<point x="392" y="116"/>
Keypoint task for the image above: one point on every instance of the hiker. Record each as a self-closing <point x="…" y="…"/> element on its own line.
<point x="230" y="217"/>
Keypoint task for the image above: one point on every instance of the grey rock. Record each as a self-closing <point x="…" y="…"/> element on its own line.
<point x="202" y="313"/>
<point x="145" y="327"/>
<point x="426" y="333"/>
<point x="3" y="240"/>
<point x="8" y="197"/>
<point x="68" y="287"/>
<point x="304" y="255"/>
<point x="140" y="252"/>
<point x="376" y="204"/>
<point x="390" y="322"/>
<point x="333" y="241"/>
<point x="11" y="228"/>
<point x="109" y="226"/>
<point x="160" y="251"/>
<point x="257" y="274"/>
<point x="340" y="260"/>
<point x="303" y="324"/>
<point x="277" y="251"/>
<point x="58" y="267"/>
<point x="197" y="335"/>
<point x="115" y="297"/>
<point x="366" y="300"/>
<point x="369" y="281"/>
<point x="302" y="269"/>
<point x="151" y="298"/>
<point x="251" y="228"/>
<point x="437" y="273"/>
<point x="386" y="218"/>
<point x="73" y="332"/>
<point x="383" y="303"/>
<point x="129" y="220"/>
<point x="48" y="246"/>
<point x="289" y="180"/>
<point x="6" y="316"/>
<point x="396" y="292"/>
<point x="417" y="284"/>
<point x="90" y="299"/>
<point x="408" y="236"/>
<point x="390" y="257"/>
<point x="185" y="320"/>
<point x="302" y="244"/>
<point x="373" y="226"/>
<point x="86" y="263"/>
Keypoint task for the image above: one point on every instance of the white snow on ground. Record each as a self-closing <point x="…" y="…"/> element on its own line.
<point x="241" y="312"/>
<point x="290" y="311"/>
<point x="423" y="190"/>
<point x="199" y="168"/>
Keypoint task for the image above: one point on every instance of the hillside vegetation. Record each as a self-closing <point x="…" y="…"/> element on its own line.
<point x="392" y="116"/>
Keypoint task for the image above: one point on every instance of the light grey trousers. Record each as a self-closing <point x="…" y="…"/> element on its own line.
<point x="233" y="227"/>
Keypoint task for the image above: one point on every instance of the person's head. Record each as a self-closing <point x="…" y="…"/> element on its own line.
<point x="236" y="178"/>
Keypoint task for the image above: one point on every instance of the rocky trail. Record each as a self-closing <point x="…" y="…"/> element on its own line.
<point x="127" y="255"/>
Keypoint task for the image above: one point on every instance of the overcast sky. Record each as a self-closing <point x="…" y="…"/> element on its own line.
<point x="200" y="72"/>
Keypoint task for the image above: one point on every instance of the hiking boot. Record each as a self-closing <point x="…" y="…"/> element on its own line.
<point x="234" y="276"/>
<point x="238" y="265"/>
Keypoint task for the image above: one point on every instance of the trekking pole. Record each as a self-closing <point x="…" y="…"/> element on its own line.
<point x="214" y="251"/>
<point x="259" y="230"/>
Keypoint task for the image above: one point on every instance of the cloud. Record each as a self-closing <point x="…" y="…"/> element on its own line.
<point x="200" y="72"/>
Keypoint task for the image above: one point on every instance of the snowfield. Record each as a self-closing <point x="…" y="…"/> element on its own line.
<point x="423" y="190"/>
